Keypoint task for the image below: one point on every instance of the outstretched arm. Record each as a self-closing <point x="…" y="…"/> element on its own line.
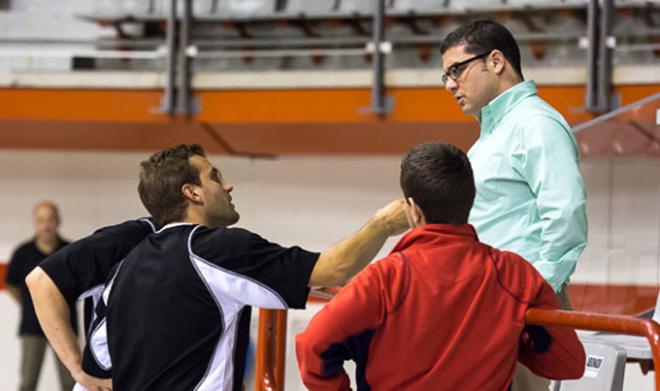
<point x="342" y="261"/>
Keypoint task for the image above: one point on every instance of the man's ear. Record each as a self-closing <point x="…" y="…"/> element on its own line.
<point x="414" y="213"/>
<point x="191" y="192"/>
<point x="407" y="206"/>
<point x="496" y="61"/>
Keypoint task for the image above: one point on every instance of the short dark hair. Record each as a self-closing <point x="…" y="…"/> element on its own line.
<point x="439" y="179"/>
<point x="484" y="36"/>
<point x="161" y="178"/>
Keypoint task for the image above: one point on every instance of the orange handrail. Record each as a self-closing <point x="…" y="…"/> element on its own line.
<point x="620" y="324"/>
<point x="271" y="347"/>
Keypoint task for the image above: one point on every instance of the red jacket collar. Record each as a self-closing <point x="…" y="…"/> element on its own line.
<point x="434" y="235"/>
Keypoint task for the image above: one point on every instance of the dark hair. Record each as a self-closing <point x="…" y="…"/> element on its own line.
<point x="484" y="36"/>
<point x="439" y="178"/>
<point x="161" y="178"/>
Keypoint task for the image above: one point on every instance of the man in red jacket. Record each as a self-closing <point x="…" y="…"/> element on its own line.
<point x="442" y="311"/>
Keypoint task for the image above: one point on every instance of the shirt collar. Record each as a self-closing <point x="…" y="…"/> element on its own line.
<point x="493" y="112"/>
<point x="172" y="225"/>
<point x="435" y="234"/>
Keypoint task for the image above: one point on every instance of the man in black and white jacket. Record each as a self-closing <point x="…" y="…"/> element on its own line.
<point x="175" y="309"/>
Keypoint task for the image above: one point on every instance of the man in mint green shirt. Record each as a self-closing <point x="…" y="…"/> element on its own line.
<point x="530" y="194"/>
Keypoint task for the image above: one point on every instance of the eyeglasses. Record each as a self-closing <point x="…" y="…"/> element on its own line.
<point x="454" y="72"/>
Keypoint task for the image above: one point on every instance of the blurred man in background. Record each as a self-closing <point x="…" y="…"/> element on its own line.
<point x="26" y="257"/>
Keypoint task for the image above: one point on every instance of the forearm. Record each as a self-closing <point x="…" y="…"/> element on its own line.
<point x="53" y="313"/>
<point x="343" y="260"/>
<point x="321" y="368"/>
<point x="563" y="359"/>
<point x="554" y="352"/>
<point x="15" y="293"/>
<point x="343" y="329"/>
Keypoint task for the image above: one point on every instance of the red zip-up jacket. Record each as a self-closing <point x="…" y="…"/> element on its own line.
<point x="441" y="312"/>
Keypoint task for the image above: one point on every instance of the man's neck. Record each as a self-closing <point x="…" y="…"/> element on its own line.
<point x="503" y="86"/>
<point x="192" y="217"/>
<point x="507" y="83"/>
<point x="47" y="245"/>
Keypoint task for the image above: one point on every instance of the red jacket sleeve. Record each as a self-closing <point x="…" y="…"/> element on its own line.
<point x="358" y="308"/>
<point x="564" y="356"/>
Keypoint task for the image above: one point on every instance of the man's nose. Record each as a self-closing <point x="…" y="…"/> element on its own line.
<point x="451" y="85"/>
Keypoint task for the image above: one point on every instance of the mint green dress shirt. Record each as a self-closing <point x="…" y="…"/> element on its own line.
<point x="530" y="194"/>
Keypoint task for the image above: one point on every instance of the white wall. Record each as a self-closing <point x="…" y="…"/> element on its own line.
<point x="624" y="222"/>
<point x="309" y="201"/>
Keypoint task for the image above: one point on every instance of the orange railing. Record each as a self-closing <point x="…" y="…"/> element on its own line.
<point x="271" y="351"/>
<point x="619" y="324"/>
<point x="271" y="347"/>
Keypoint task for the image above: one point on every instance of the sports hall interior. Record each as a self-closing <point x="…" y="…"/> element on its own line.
<point x="307" y="106"/>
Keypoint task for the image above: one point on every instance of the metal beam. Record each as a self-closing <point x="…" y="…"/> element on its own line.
<point x="183" y="96"/>
<point x="606" y="44"/>
<point x="88" y="53"/>
<point x="378" y="100"/>
<point x="210" y="41"/>
<point x="600" y="53"/>
<point x="612" y="114"/>
<point x="431" y="39"/>
<point x="591" y="98"/>
<point x="167" y="102"/>
<point x="261" y="53"/>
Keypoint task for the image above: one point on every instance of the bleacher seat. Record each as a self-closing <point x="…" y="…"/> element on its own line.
<point x="604" y="369"/>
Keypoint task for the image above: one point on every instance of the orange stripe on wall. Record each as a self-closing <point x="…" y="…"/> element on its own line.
<point x="104" y="135"/>
<point x="271" y="122"/>
<point x="277" y="106"/>
<point x="429" y="104"/>
<point x="80" y="105"/>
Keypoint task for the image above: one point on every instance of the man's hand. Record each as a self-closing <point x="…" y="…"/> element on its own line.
<point x="91" y="383"/>
<point x="393" y="218"/>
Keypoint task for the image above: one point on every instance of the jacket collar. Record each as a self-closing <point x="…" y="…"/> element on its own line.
<point x="435" y="235"/>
